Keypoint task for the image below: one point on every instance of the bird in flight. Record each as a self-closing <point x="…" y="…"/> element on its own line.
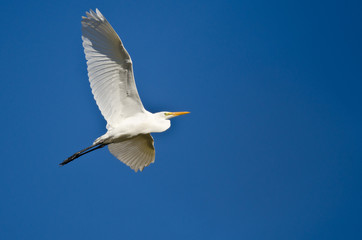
<point x="111" y="78"/>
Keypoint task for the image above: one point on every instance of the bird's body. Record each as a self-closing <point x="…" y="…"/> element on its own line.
<point x="132" y="126"/>
<point x="111" y="78"/>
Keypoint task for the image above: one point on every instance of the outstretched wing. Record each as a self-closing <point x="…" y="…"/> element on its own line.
<point x="110" y="70"/>
<point x="137" y="152"/>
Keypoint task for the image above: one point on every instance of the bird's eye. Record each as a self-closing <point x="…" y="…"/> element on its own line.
<point x="166" y="114"/>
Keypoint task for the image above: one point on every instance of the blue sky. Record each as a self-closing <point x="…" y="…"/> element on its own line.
<point x="272" y="148"/>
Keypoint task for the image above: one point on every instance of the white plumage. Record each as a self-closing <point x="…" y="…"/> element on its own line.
<point x="111" y="78"/>
<point x="110" y="70"/>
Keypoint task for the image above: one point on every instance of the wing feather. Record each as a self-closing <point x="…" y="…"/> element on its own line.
<point x="110" y="70"/>
<point x="137" y="152"/>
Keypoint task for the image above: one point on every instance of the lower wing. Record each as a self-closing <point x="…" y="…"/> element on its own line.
<point x="137" y="152"/>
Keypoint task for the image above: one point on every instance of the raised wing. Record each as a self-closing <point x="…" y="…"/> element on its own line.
<point x="110" y="70"/>
<point x="137" y="152"/>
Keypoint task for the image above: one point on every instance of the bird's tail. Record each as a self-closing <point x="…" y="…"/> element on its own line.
<point x="82" y="152"/>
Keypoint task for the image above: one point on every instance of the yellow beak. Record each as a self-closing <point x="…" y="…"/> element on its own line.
<point x="178" y="113"/>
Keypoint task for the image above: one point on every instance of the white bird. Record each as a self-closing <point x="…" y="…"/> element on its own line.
<point x="111" y="78"/>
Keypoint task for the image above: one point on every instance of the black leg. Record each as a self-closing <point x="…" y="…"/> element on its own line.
<point x="81" y="153"/>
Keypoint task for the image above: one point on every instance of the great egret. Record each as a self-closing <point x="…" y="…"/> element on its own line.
<point x="110" y="74"/>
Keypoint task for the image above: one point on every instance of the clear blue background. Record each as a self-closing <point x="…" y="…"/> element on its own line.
<point x="272" y="148"/>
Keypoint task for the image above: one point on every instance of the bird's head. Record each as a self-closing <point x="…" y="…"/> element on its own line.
<point x="168" y="115"/>
<point x="162" y="121"/>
